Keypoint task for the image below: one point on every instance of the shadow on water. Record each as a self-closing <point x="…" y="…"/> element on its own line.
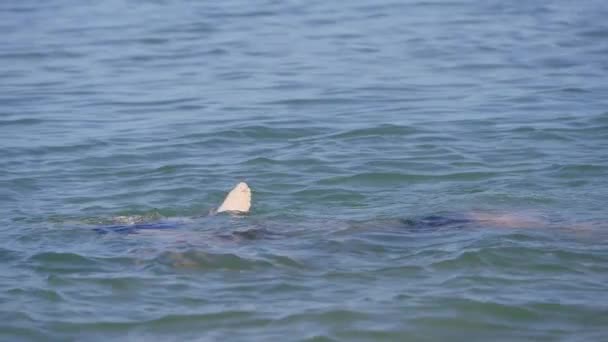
<point x="251" y="234"/>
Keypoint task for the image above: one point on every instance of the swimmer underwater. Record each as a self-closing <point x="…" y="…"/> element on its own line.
<point x="238" y="202"/>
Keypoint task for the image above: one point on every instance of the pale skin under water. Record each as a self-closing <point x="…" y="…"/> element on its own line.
<point x="238" y="202"/>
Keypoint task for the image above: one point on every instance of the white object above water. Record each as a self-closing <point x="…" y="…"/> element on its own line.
<point x="237" y="200"/>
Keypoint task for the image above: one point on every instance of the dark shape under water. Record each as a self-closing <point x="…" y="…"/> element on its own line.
<point x="435" y="222"/>
<point x="238" y="201"/>
<point x="426" y="223"/>
<point x="134" y="228"/>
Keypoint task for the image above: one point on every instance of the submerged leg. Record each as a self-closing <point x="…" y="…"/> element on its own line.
<point x="237" y="200"/>
<point x="507" y="220"/>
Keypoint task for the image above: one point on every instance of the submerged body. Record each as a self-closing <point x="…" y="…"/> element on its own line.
<point x="238" y="201"/>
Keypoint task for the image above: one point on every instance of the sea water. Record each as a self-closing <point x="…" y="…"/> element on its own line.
<point x="353" y="122"/>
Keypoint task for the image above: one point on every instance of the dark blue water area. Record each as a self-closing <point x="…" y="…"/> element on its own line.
<point x="420" y="170"/>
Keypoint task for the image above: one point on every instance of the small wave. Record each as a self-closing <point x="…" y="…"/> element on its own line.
<point x="66" y="262"/>
<point x="581" y="171"/>
<point x="34" y="55"/>
<point x="601" y="119"/>
<point x="492" y="312"/>
<point x="269" y="132"/>
<point x="290" y="162"/>
<point x="7" y="255"/>
<point x="91" y="144"/>
<point x="334" y="195"/>
<point x="60" y="258"/>
<point x="543" y="134"/>
<point x="331" y="315"/>
<point x="199" y="260"/>
<point x="43" y="294"/>
<point x="304" y="102"/>
<point x="539" y="261"/>
<point x="594" y="33"/>
<point x="152" y="103"/>
<point x="386" y="178"/>
<point x="18" y="122"/>
<point x="378" y="131"/>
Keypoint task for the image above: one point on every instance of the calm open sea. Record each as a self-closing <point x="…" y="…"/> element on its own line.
<point x="361" y="126"/>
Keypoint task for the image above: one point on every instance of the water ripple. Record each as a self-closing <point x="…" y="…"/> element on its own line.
<point x="369" y="133"/>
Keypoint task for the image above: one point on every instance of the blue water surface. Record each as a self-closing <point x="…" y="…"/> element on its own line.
<point x="367" y="131"/>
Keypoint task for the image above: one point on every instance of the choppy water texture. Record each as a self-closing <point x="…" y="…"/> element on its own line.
<point x="352" y="121"/>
